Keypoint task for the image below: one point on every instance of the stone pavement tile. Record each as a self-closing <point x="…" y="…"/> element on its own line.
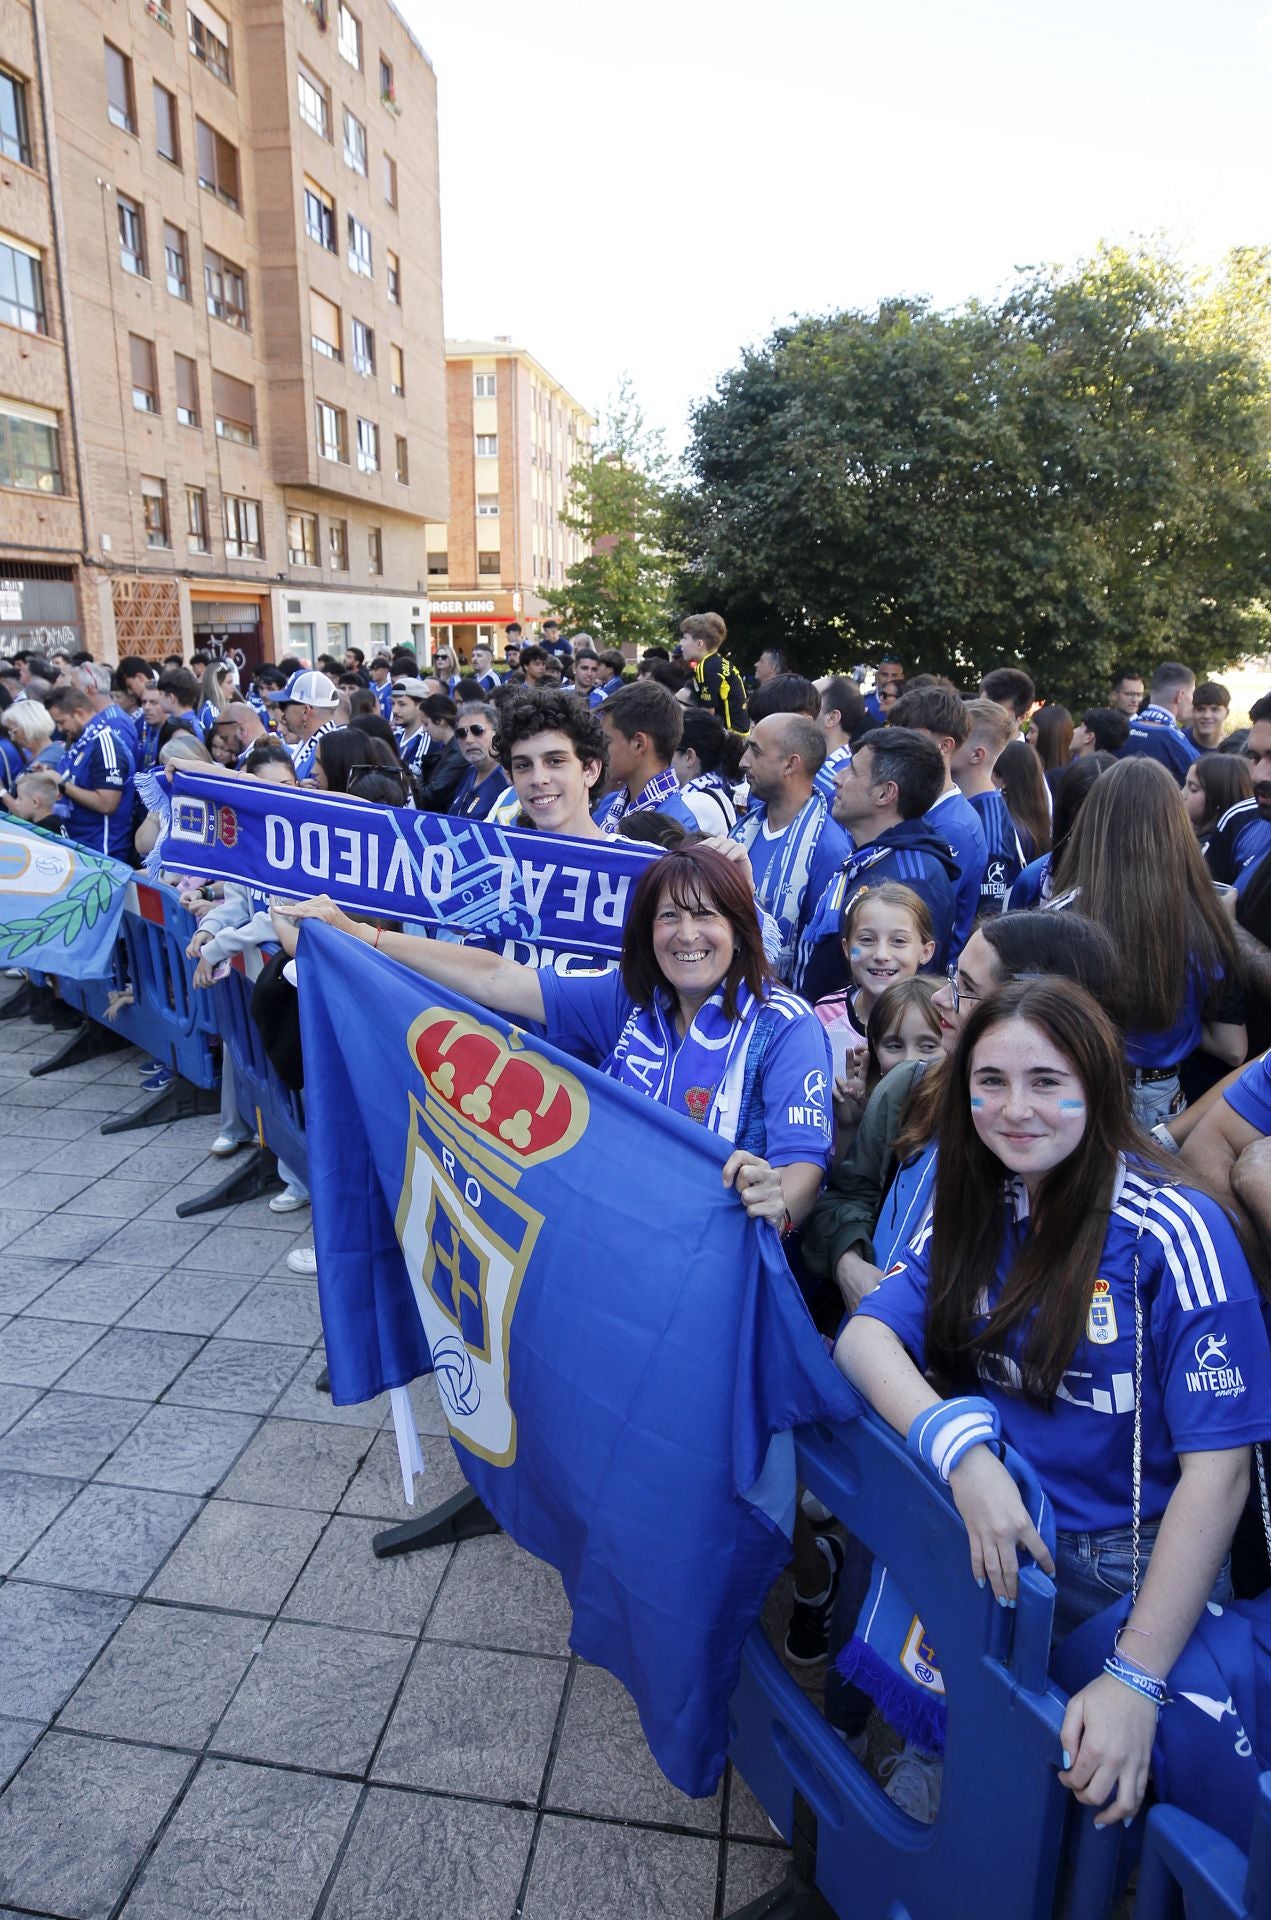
<point x="110" y="1539"/>
<point x="98" y="1156"/>
<point x="36" y="1353"/>
<point x="22" y="1151"/>
<point x="69" y="1433"/>
<point x="16" y="1222"/>
<point x="745" y="1815"/>
<point x="344" y="1585"/>
<point x="70" y="1125"/>
<point x="62" y="1236"/>
<point x="474" y="1722"/>
<point x="132" y="1364"/>
<point x="603" y="1764"/>
<point x="315" y="1697"/>
<point x="249" y="1841"/>
<point x="43" y="1192"/>
<point x="77" y="1820"/>
<point x="177" y="1449"/>
<point x="166" y="1677"/>
<point x="48" y="1638"/>
<point x="36" y="1095"/>
<point x="239" y="1376"/>
<point x="376" y="1493"/>
<point x="152" y="1243"/>
<point x="752" y="1871"/>
<point x="583" y="1869"/>
<point x="242" y="1557"/>
<point x="14" y="1402"/>
<point x="113" y="1198"/>
<point x="302" y="1402"/>
<point x="431" y="1859"/>
<point x="29" y="1502"/>
<point x="249" y="1250"/>
<point x="17" y="1737"/>
<point x="23" y="1281"/>
<point x="93" y="1292"/>
<point x="187" y="1303"/>
<point x="167" y="1195"/>
<point x="497" y="1595"/>
<point x="288" y="1315"/>
<point x="299" y="1463"/>
<point x="168" y="1164"/>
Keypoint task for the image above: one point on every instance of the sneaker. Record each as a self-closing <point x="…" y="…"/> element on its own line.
<point x="303" y="1260"/>
<point x="149" y="1066"/>
<point x="912" y="1783"/>
<point x="808" y="1635"/>
<point x="290" y="1200"/>
<point x="225" y="1144"/>
<point x="158" y="1081"/>
<point x="323" y="1382"/>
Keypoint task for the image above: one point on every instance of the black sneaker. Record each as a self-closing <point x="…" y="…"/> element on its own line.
<point x="808" y="1635"/>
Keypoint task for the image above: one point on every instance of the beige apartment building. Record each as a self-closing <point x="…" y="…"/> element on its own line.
<point x="514" y="435"/>
<point x="222" y="373"/>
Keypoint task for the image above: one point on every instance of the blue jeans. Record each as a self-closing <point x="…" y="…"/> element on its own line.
<point x="1153" y="1101"/>
<point x="1092" y="1569"/>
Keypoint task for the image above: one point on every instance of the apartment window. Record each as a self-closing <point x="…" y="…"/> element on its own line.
<point x="218" y="163"/>
<point x="374" y="551"/>
<point x="487" y="446"/>
<point x="132" y="236"/>
<point x="483" y="386"/>
<point x="175" y="265"/>
<point x="487" y="506"/>
<point x="324" y="326"/>
<point x="30" y="448"/>
<point x="354" y="143"/>
<point x="196" y="520"/>
<point x="338" y="545"/>
<point x="187" y="378"/>
<point x="333" y="432"/>
<point x="315" y="106"/>
<point x="439" y="563"/>
<point x="242" y="528"/>
<point x="363" y="348"/>
<point x="234" y="408"/>
<point x="381" y="630"/>
<point x="21" y="286"/>
<point x="390" y="180"/>
<point x="167" y="126"/>
<point x="349" y="36"/>
<point x="319" y="215"/>
<point x="368" y="447"/>
<point x="338" y="637"/>
<point x="487" y="563"/>
<point x="154" y="505"/>
<point x="302" y="637"/>
<point x="397" y="370"/>
<point x="401" y="461"/>
<point x="394" y="278"/>
<point x="209" y="39"/>
<point x="359" y="247"/>
<point x="145" y="385"/>
<point x="15" y="135"/>
<point x="226" y="288"/>
<point x="386" y="79"/>
<point x="302" y="539"/>
<point x="120" y="100"/>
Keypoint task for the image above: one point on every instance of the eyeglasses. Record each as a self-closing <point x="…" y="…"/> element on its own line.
<point x="470" y="733"/>
<point x="958" y="993"/>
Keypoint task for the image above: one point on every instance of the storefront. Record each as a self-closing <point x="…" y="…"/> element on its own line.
<point x="38" y="608"/>
<point x="462" y="621"/>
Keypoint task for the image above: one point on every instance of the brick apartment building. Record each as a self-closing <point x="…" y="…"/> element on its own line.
<point x="515" y="433"/>
<point x="222" y="374"/>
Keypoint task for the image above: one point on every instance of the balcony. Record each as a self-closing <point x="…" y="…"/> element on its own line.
<point x="158" y="12"/>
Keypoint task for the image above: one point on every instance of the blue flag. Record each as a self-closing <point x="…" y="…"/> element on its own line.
<point x="60" y="905"/>
<point x="620" y="1352"/>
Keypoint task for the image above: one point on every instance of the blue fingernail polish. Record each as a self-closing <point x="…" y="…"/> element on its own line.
<point x="1067" y="1759"/>
<point x="1129" y="1822"/>
<point x="980" y="1581"/>
<point x="1011" y="1604"/>
<point x="1002" y="1600"/>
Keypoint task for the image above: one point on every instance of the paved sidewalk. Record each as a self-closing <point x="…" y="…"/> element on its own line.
<point x="214" y="1701"/>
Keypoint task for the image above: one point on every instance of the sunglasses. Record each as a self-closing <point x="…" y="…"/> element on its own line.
<point x="470" y="733"/>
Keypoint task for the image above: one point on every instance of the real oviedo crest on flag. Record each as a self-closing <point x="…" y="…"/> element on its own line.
<point x="488" y="1111"/>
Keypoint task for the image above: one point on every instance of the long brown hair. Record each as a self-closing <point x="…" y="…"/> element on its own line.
<point x="1135" y="859"/>
<point x="1019" y="773"/>
<point x="1049" y="1287"/>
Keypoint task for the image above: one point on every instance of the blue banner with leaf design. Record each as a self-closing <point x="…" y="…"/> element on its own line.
<point x="60" y="905"/>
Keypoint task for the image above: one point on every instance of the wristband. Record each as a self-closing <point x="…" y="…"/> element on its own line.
<point x="1164" y="1138"/>
<point x="942" y="1435"/>
<point x="1137" y="1680"/>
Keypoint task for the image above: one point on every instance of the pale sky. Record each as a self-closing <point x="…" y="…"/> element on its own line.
<point x="650" y="189"/>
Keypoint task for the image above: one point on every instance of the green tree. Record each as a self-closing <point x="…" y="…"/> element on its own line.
<point x="620" y="592"/>
<point x="1076" y="474"/>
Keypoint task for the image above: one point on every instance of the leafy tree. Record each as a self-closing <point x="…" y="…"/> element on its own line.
<point x="1075" y="475"/>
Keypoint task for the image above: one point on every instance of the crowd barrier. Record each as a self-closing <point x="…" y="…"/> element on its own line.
<point x="1189" y="1869"/>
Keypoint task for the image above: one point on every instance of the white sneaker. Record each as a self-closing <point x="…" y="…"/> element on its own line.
<point x="303" y="1260"/>
<point x="225" y="1144"/>
<point x="912" y="1783"/>
<point x="290" y="1200"/>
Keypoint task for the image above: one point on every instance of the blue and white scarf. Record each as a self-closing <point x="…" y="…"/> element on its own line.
<point x="825" y="779"/>
<point x="1158" y="717"/>
<point x="650" y="797"/>
<point x="304" y="755"/>
<point x="721" y="794"/>
<point x="786" y="882"/>
<point x="156" y="797"/>
<point x="700" y="1076"/>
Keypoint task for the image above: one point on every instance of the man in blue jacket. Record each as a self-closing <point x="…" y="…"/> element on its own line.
<point x="941" y="713"/>
<point x="1157" y="730"/>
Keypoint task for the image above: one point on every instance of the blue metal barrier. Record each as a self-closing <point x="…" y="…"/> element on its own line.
<point x="1188" y="1868"/>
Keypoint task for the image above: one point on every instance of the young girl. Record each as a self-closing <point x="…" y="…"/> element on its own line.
<point x="903" y="1026"/>
<point x="887" y="936"/>
<point x="1214" y="782"/>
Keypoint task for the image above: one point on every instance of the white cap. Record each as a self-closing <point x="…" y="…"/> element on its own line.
<point x="313" y="690"/>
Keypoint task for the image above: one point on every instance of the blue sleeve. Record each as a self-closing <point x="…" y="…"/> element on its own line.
<point x="796" y="1084"/>
<point x="1250" y="1097"/>
<point x="900" y="1301"/>
<point x="584" y="1012"/>
<point x="1207" y="1330"/>
<point x="107" y="765"/>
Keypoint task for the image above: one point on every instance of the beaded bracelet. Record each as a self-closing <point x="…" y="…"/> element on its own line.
<point x="1139" y="1682"/>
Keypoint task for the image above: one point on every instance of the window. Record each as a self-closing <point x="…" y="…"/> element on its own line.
<point x="401" y="461"/>
<point x="302" y="637"/>
<point x="234" y="406"/>
<point x="397" y="370"/>
<point x="132" y="236"/>
<point x="187" y="377"/>
<point x="338" y="637"/>
<point x="196" y="520"/>
<point x="349" y="36"/>
<point x="394" y="278"/>
<point x="242" y="527"/>
<point x="487" y="506"/>
<point x="15" y="137"/>
<point x="319" y="215"/>
<point x="374" y="552"/>
<point x="315" y="107"/>
<point x="226" y="289"/>
<point x="338" y="545"/>
<point x="119" y="95"/>
<point x="324" y="326"/>
<point x="363" y="348"/>
<point x="145" y="386"/>
<point x="483" y="386"/>
<point x="154" y="505"/>
<point x="302" y="539"/>
<point x="167" y="126"/>
<point x="175" y="265"/>
<point x="487" y="563"/>
<point x="359" y="247"/>
<point x="333" y="432"/>
<point x="30" y="448"/>
<point x="21" y="286"/>
<point x="209" y="39"/>
<point x="218" y="163"/>
<point x="439" y="563"/>
<point x="354" y="143"/>
<point x="487" y="446"/>
<point x="381" y="630"/>
<point x="386" y="79"/>
<point x="368" y="447"/>
<point x="390" y="180"/>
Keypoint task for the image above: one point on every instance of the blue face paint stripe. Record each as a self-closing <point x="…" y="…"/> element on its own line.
<point x="1072" y="1106"/>
<point x="976" y="1101"/>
